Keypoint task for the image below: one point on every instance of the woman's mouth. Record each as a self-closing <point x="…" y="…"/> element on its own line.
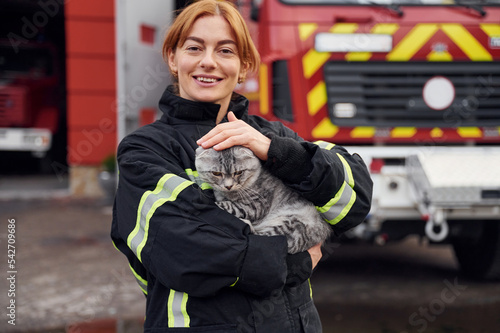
<point x="205" y="79"/>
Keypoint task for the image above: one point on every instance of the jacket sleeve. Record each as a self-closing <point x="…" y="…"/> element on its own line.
<point x="177" y="233"/>
<point x="337" y="182"/>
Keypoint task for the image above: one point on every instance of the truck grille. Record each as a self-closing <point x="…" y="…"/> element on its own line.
<point x="13" y="111"/>
<point x="390" y="94"/>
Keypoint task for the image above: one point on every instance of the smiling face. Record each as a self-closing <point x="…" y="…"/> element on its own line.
<point x="207" y="64"/>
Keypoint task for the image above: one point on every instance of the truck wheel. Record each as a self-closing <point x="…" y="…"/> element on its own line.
<point x="480" y="258"/>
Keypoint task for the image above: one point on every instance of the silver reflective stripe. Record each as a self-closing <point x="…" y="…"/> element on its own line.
<point x="325" y="145"/>
<point x="167" y="189"/>
<point x="193" y="175"/>
<point x="338" y="207"/>
<point x="143" y="283"/>
<point x="176" y="307"/>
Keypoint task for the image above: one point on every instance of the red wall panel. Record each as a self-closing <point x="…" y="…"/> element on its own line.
<point x="89" y="110"/>
<point x="91" y="80"/>
<point x="90" y="9"/>
<point x="90" y="146"/>
<point x="90" y="38"/>
<point x="95" y="76"/>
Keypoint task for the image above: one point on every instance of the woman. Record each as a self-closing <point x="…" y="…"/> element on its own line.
<point x="199" y="266"/>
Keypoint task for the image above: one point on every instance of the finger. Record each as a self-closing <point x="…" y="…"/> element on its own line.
<point x="220" y="128"/>
<point x="212" y="133"/>
<point x="222" y="139"/>
<point x="231" y="116"/>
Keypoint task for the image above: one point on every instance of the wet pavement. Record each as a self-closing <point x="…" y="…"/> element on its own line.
<point x="67" y="270"/>
<point x="69" y="278"/>
<point x="402" y="287"/>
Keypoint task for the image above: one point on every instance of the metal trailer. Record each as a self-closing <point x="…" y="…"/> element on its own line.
<point x="449" y="195"/>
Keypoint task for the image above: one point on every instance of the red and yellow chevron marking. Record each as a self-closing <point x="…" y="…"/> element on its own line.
<point x="326" y="130"/>
<point x="406" y="48"/>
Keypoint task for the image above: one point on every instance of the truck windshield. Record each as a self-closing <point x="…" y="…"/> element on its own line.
<point x="32" y="61"/>
<point x="393" y="2"/>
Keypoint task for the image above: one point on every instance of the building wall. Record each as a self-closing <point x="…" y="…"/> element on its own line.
<point x="91" y="90"/>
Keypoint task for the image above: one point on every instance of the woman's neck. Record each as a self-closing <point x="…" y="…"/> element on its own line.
<point x="222" y="112"/>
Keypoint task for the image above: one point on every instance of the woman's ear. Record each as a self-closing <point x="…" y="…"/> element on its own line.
<point x="243" y="72"/>
<point x="172" y="64"/>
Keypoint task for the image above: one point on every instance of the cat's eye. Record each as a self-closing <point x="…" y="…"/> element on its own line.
<point x="216" y="173"/>
<point x="238" y="173"/>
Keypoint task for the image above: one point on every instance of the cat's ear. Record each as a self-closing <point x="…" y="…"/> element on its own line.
<point x="244" y="152"/>
<point x="200" y="150"/>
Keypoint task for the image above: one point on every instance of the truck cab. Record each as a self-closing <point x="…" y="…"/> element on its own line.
<point x="31" y="99"/>
<point x="413" y="87"/>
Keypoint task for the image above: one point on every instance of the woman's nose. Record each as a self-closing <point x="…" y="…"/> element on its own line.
<point x="208" y="60"/>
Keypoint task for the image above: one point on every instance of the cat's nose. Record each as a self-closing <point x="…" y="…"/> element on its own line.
<point x="228" y="187"/>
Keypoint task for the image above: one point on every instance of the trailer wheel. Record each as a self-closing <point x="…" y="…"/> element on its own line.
<point x="480" y="258"/>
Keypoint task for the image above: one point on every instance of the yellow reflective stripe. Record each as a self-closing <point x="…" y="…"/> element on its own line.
<point x="346" y="209"/>
<point x="143" y="283"/>
<point x="192" y="174"/>
<point x="195" y="177"/>
<point x="344" y="28"/>
<point x="385" y="28"/>
<point x="312" y="61"/>
<point x="167" y="189"/>
<point x="263" y="92"/>
<point x="491" y="29"/>
<point x="316" y="98"/>
<point x="439" y="56"/>
<point x="436" y="132"/>
<point x="349" y="28"/>
<point x="306" y="30"/>
<point x="310" y="289"/>
<point x="324" y="145"/>
<point x="114" y="245"/>
<point x="412" y="42"/>
<point x="347" y="171"/>
<point x="325" y="129"/>
<point x="403" y="132"/>
<point x="333" y="200"/>
<point x="363" y="132"/>
<point x="237" y="279"/>
<point x="176" y="309"/>
<point x="469" y="132"/>
<point x="338" y="207"/>
<point x="466" y="42"/>
<point x="205" y="186"/>
<point x="358" y="56"/>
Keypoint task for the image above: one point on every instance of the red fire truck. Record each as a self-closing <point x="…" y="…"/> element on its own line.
<point x="31" y="98"/>
<point x="413" y="86"/>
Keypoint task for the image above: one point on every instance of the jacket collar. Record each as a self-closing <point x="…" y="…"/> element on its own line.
<point x="174" y="106"/>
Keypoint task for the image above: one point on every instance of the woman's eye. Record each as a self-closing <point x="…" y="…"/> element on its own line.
<point x="216" y="173"/>
<point x="192" y="48"/>
<point x="227" y="51"/>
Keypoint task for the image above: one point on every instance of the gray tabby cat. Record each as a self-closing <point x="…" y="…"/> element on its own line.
<point x="248" y="191"/>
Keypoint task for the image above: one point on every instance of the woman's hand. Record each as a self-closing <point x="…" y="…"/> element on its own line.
<point x="316" y="254"/>
<point x="236" y="133"/>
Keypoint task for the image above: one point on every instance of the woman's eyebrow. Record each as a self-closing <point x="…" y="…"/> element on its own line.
<point x="202" y="41"/>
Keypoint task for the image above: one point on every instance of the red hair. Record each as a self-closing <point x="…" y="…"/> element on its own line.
<point x="180" y="28"/>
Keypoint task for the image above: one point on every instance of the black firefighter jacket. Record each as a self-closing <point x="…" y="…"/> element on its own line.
<point x="201" y="269"/>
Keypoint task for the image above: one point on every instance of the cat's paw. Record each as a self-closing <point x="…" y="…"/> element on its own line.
<point x="250" y="224"/>
<point x="226" y="205"/>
